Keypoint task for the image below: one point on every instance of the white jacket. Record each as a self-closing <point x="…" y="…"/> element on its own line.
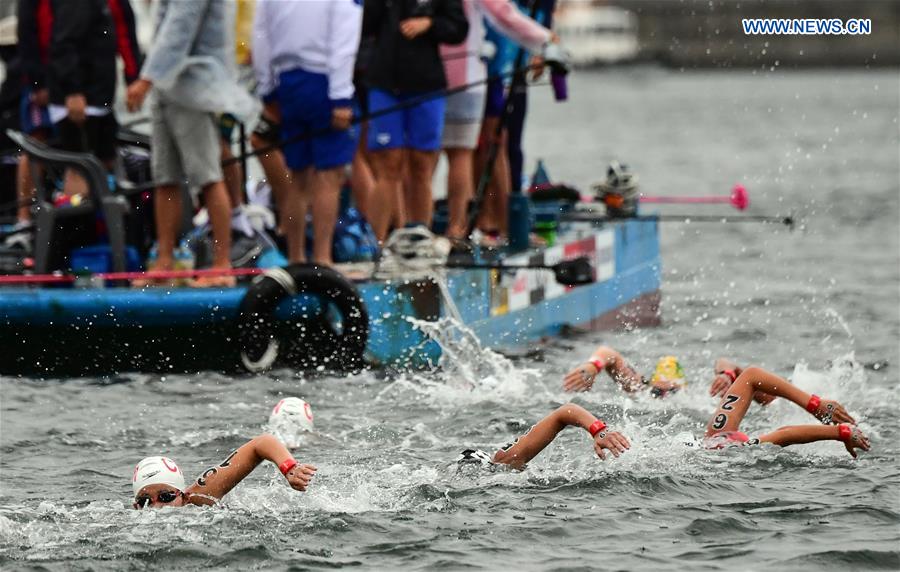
<point x="319" y="36"/>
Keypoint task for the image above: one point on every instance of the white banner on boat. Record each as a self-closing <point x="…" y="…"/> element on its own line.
<point x="528" y="287"/>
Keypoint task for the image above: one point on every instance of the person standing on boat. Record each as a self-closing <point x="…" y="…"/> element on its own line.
<point x="507" y="168"/>
<point x="189" y="72"/>
<point x="158" y="482"/>
<point x="406" y="68"/>
<point x="304" y="53"/>
<point x="463" y="65"/>
<point x="33" y="30"/>
<point x="69" y="50"/>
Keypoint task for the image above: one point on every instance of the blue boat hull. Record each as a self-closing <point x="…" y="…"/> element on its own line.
<point x="55" y="331"/>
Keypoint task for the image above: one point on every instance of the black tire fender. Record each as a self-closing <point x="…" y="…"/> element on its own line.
<point x="262" y="340"/>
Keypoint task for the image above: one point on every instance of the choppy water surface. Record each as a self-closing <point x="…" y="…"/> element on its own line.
<point x="820" y="305"/>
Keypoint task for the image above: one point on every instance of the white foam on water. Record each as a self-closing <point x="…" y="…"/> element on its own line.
<point x="347" y="489"/>
<point x="467" y="372"/>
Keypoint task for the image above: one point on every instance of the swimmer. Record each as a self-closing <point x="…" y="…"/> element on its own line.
<point x="667" y="378"/>
<point x="517" y="454"/>
<point x="837" y="425"/>
<point x="158" y="482"/>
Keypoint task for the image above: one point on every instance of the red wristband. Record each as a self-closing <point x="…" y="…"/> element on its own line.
<point x="845" y="433"/>
<point x="287" y="465"/>
<point x="814" y="402"/>
<point x="598" y="364"/>
<point x="730" y="373"/>
<point x="596" y="427"/>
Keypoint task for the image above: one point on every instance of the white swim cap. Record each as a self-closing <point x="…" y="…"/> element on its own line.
<point x="290" y="418"/>
<point x="157" y="471"/>
<point x="293" y="410"/>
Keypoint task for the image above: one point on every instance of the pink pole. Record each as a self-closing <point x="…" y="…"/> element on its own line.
<point x="739" y="199"/>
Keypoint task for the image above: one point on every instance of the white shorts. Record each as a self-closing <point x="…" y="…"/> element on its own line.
<point x="185" y="145"/>
<point x="462" y="119"/>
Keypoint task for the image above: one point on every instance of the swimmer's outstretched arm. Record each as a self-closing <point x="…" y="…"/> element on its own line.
<point x="737" y="400"/>
<point x="852" y="437"/>
<point x="726" y="372"/>
<point x="216" y="482"/>
<point x="545" y="431"/>
<point x="582" y="377"/>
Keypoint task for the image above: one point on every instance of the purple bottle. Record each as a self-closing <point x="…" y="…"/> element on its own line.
<point x="558" y="60"/>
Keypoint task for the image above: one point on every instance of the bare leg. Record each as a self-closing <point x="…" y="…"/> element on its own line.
<point x="459" y="190"/>
<point x="25" y="189"/>
<point x="167" y="207"/>
<point x="233" y="176"/>
<point x="326" y="196"/>
<point x="218" y="206"/>
<point x="408" y="190"/>
<point x="480" y="162"/>
<point x="500" y="192"/>
<point x="421" y="171"/>
<point x="294" y="206"/>
<point x="277" y="174"/>
<point x="493" y="215"/>
<point x="362" y="182"/>
<point x="387" y="166"/>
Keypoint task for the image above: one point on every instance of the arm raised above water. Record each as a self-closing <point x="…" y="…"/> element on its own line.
<point x="582" y="377"/>
<point x="216" y="482"/>
<point x="545" y="431"/>
<point x="852" y="437"/>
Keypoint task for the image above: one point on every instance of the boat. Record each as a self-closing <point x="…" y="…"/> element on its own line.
<point x="597" y="34"/>
<point x="304" y="316"/>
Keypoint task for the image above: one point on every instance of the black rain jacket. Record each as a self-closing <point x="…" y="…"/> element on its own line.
<point x="400" y="65"/>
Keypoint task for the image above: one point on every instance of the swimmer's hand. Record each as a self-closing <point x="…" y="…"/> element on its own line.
<point x="857" y="441"/>
<point x="299" y="476"/>
<point x="720" y="385"/>
<point x="831" y="412"/>
<point x="581" y="378"/>
<point x="613" y="441"/>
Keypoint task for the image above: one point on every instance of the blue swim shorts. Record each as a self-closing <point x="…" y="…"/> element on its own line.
<point x="419" y="126"/>
<point x="306" y="110"/>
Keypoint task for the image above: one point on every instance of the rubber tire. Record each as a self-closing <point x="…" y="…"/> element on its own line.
<point x="262" y="341"/>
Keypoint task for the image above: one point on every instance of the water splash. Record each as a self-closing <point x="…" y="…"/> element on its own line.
<point x="467" y="371"/>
